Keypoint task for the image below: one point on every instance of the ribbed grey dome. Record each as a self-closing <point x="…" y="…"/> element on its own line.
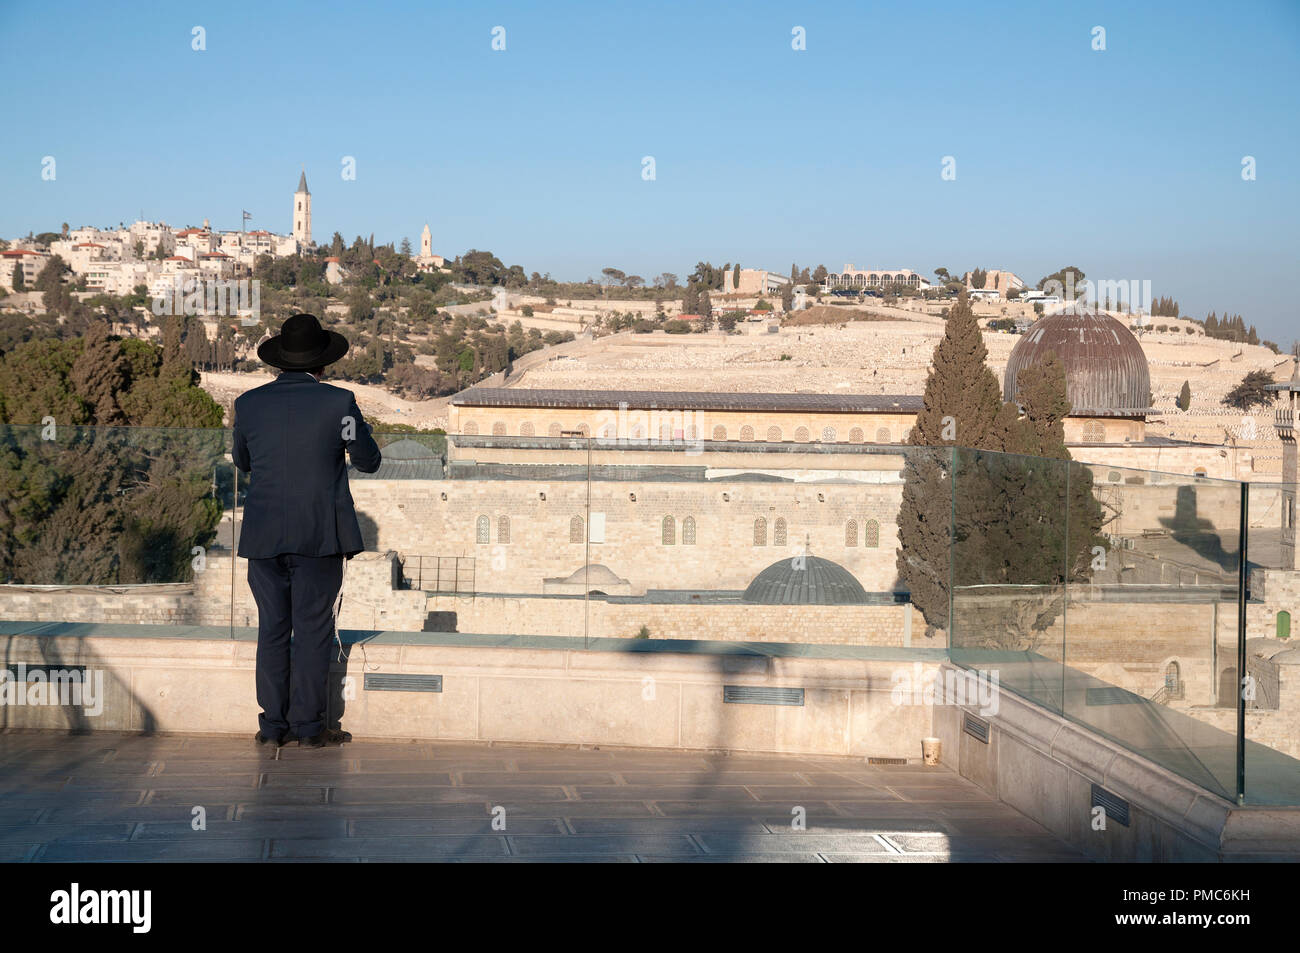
<point x="805" y="580"/>
<point x="1105" y="370"/>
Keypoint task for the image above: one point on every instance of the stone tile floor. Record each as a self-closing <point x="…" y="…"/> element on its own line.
<point x="116" y="797"/>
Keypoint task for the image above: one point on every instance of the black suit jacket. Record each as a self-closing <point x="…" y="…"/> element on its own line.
<point x="290" y="435"/>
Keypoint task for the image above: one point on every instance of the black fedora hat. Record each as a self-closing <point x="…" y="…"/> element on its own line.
<point x="302" y="344"/>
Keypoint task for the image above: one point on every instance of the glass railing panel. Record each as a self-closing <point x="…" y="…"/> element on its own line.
<point x="1012" y="554"/>
<point x="1151" y="625"/>
<point x="1271" y="685"/>
<point x="89" y="508"/>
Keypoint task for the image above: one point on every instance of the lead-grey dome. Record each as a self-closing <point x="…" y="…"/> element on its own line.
<point x="805" y="580"/>
<point x="1106" y="371"/>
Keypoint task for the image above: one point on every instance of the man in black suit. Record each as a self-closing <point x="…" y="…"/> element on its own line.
<point x="299" y="524"/>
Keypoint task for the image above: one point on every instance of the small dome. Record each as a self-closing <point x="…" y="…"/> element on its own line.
<point x="1106" y="372"/>
<point x="805" y="580"/>
<point x="596" y="574"/>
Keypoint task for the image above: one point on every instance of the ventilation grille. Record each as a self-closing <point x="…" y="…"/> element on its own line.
<point x="1115" y="806"/>
<point x="48" y="672"/>
<point x="380" y="682"/>
<point x="886" y="761"/>
<point x="977" y="728"/>
<point x="761" y="695"/>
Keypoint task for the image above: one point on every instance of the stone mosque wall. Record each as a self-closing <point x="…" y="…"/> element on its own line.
<point x="689" y="535"/>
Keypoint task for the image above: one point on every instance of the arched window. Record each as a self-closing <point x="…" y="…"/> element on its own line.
<point x="525" y="430"/>
<point x="801" y="435"/>
<point x="872" y="540"/>
<point x="688" y="531"/>
<point x="482" y="530"/>
<point x="746" y="433"/>
<point x="503" y="529"/>
<point x="856" y="435"/>
<point x="760" y="532"/>
<point x="851" y="533"/>
<point x="778" y="532"/>
<point x="773" y="434"/>
<point x="882" y="435"/>
<point x="665" y="431"/>
<point x="1171" y="677"/>
<point x="669" y="536"/>
<point x="828" y="435"/>
<point x="719" y="432"/>
<point x="1284" y="625"/>
<point x="584" y="430"/>
<point x="692" y="432"/>
<point x="609" y="431"/>
<point x="637" y="432"/>
<point x="1094" y="432"/>
<point x="575" y="529"/>
<point x="470" y="427"/>
<point x="499" y="428"/>
<point x="553" y="430"/>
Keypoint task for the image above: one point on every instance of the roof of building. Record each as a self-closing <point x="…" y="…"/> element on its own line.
<point x="687" y="400"/>
<point x="13" y="252"/>
<point x="805" y="580"/>
<point x="1290" y="385"/>
<point x="1106" y="371"/>
<point x="302" y="183"/>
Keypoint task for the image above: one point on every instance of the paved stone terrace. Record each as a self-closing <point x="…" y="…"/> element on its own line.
<point x="116" y="797"/>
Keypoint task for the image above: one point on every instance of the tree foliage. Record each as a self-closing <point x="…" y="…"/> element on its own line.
<point x="989" y="496"/>
<point x="100" y="496"/>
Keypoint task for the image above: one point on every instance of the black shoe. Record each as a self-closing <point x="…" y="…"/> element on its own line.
<point x="261" y="739"/>
<point x="328" y="736"/>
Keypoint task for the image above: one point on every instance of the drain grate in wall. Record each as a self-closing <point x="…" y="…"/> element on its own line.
<point x="977" y="728"/>
<point x="381" y="682"/>
<point x="886" y="761"/>
<point x="48" y="672"/>
<point x="761" y="695"/>
<point x="1115" y="806"/>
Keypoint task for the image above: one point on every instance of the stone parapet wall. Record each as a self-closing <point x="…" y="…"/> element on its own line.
<point x="884" y="625"/>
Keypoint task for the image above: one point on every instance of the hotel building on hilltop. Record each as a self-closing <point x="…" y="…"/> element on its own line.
<point x="852" y="277"/>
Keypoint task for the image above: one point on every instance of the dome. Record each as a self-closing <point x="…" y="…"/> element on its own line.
<point x="805" y="580"/>
<point x="596" y="574"/>
<point x="1106" y="372"/>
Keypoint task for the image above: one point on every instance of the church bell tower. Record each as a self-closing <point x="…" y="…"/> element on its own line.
<point x="302" y="212"/>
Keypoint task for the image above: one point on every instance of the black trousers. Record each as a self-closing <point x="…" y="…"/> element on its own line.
<point x="299" y="595"/>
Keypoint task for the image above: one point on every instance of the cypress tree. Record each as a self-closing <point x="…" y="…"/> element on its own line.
<point x="1025" y="523"/>
<point x="1185" y="397"/>
<point x="962" y="406"/>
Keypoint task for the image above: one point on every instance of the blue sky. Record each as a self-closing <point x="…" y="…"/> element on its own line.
<point x="1126" y="163"/>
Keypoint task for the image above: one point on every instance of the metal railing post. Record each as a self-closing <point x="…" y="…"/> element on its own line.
<point x="1242" y="595"/>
